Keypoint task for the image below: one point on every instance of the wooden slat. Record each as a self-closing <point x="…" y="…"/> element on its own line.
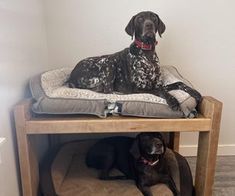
<point x="112" y="124"/>
<point x="72" y="124"/>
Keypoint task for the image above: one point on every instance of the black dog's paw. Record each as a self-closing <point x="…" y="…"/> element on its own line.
<point x="192" y="92"/>
<point x="177" y="194"/>
<point x="196" y="95"/>
<point x="181" y="86"/>
<point x="104" y="175"/>
<point x="173" y="103"/>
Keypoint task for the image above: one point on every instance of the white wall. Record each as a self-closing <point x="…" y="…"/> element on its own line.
<point x="23" y="53"/>
<point x="199" y="40"/>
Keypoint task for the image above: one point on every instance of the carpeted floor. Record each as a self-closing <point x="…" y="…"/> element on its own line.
<point x="224" y="184"/>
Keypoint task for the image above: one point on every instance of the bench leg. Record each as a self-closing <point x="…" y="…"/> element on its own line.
<point x="207" y="152"/>
<point x="206" y="162"/>
<point x="27" y="156"/>
<point x="174" y="142"/>
<point x="28" y="166"/>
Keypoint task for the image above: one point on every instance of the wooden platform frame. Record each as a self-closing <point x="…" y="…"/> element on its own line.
<point x="207" y="124"/>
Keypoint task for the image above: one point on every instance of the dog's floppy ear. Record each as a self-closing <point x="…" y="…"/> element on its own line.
<point x="130" y="28"/>
<point x="164" y="145"/>
<point x="160" y="26"/>
<point x="134" y="150"/>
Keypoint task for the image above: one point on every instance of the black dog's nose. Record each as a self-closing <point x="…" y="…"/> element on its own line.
<point x="159" y="145"/>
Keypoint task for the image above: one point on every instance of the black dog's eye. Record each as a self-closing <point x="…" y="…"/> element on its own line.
<point x="140" y="19"/>
<point x="153" y="18"/>
<point x="145" y="138"/>
<point x="158" y="136"/>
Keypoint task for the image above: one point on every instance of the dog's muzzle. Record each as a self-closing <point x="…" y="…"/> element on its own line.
<point x="148" y="30"/>
<point x="159" y="149"/>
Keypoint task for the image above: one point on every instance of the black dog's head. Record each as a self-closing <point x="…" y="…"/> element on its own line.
<point x="144" y="26"/>
<point x="148" y="144"/>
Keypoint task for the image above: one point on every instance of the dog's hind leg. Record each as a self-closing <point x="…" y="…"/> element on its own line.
<point x="108" y="177"/>
<point x="106" y="159"/>
<point x="145" y="190"/>
<point x="107" y="167"/>
<point x="105" y="172"/>
<point x="102" y="157"/>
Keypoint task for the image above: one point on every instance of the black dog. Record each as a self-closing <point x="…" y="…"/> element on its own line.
<point x="145" y="159"/>
<point x="132" y="70"/>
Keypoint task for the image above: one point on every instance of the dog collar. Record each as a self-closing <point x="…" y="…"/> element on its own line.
<point x="146" y="162"/>
<point x="143" y="46"/>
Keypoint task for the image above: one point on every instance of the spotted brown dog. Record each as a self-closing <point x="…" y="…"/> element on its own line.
<point x="132" y="70"/>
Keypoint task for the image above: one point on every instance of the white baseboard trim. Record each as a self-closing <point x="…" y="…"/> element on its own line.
<point x="223" y="150"/>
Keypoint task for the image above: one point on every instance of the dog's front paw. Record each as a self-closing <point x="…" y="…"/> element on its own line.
<point x="196" y="95"/>
<point x="173" y="103"/>
<point x="177" y="194"/>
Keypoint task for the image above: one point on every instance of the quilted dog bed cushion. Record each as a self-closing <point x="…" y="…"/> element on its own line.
<point x="67" y="175"/>
<point x="53" y="96"/>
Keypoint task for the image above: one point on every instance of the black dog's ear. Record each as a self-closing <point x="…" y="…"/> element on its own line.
<point x="163" y="141"/>
<point x="157" y="135"/>
<point x="160" y="26"/>
<point x="130" y="28"/>
<point x="134" y="150"/>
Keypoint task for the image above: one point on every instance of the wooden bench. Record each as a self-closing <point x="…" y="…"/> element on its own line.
<point x="207" y="124"/>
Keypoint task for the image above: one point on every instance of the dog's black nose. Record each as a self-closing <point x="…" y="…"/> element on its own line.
<point x="159" y="145"/>
<point x="148" y="24"/>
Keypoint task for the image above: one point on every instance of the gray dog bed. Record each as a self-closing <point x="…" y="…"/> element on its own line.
<point x="52" y="96"/>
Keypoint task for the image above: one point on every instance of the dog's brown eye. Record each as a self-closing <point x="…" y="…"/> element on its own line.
<point x="153" y="18"/>
<point x="140" y="19"/>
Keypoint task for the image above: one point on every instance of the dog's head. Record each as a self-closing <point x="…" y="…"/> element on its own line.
<point x="148" y="144"/>
<point x="144" y="26"/>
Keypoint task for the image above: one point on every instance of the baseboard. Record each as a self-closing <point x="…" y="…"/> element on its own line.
<point x="223" y="150"/>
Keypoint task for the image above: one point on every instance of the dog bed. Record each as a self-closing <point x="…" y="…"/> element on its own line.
<point x="64" y="173"/>
<point x="52" y="96"/>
